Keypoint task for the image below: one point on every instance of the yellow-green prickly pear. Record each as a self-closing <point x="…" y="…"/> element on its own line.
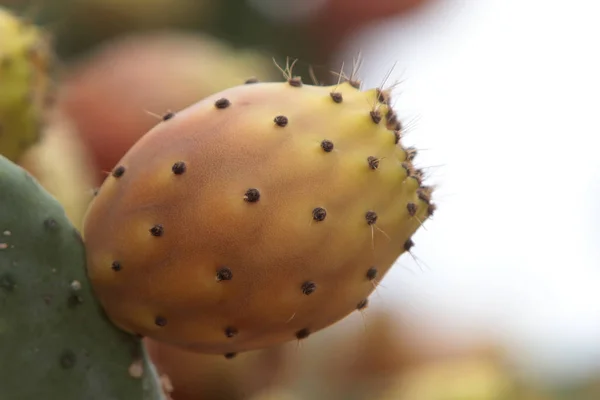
<point x="261" y="214"/>
<point x="25" y="83"/>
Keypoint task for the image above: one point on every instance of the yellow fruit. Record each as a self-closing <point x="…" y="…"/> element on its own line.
<point x="25" y="59"/>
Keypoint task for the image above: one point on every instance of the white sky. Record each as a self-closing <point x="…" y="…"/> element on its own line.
<point x="505" y="96"/>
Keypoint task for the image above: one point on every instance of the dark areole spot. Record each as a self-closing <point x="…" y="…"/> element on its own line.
<point x="373" y="162"/>
<point x="222" y="103"/>
<point x="281" y="120"/>
<point x="302" y="334"/>
<point x="231" y="332"/>
<point x="431" y="209"/>
<point x="252" y="195"/>
<point x="371" y="273"/>
<point x="157" y="230"/>
<point x="224" y="274"/>
<point x="178" y="168"/>
<point x="371" y="217"/>
<point x="327" y="145"/>
<point x="308" y="287"/>
<point x="319" y="214"/>
<point x="362" y="304"/>
<point x="295" y="82"/>
<point x="412" y="209"/>
<point x="376" y="116"/>
<point x="118" y="172"/>
<point x="336" y="97"/>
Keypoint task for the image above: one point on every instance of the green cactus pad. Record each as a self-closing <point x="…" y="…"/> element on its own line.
<point x="55" y="341"/>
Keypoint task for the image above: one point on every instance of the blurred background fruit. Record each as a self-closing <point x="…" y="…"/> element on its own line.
<point x="111" y="99"/>
<point x="26" y="60"/>
<point x="461" y="379"/>
<point x="311" y="30"/>
<point x="60" y="161"/>
<point x="371" y="357"/>
<point x="195" y="376"/>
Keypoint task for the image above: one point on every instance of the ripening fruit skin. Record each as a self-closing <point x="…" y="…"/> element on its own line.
<point x="261" y="214"/>
<point x="25" y="83"/>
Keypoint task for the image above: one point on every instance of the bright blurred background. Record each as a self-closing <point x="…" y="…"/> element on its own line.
<point x="502" y="299"/>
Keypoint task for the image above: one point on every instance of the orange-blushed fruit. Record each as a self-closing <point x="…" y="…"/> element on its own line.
<point x="259" y="215"/>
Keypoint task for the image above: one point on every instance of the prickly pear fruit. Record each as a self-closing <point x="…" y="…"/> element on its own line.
<point x="25" y="84"/>
<point x="261" y="214"/>
<point x="55" y="340"/>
